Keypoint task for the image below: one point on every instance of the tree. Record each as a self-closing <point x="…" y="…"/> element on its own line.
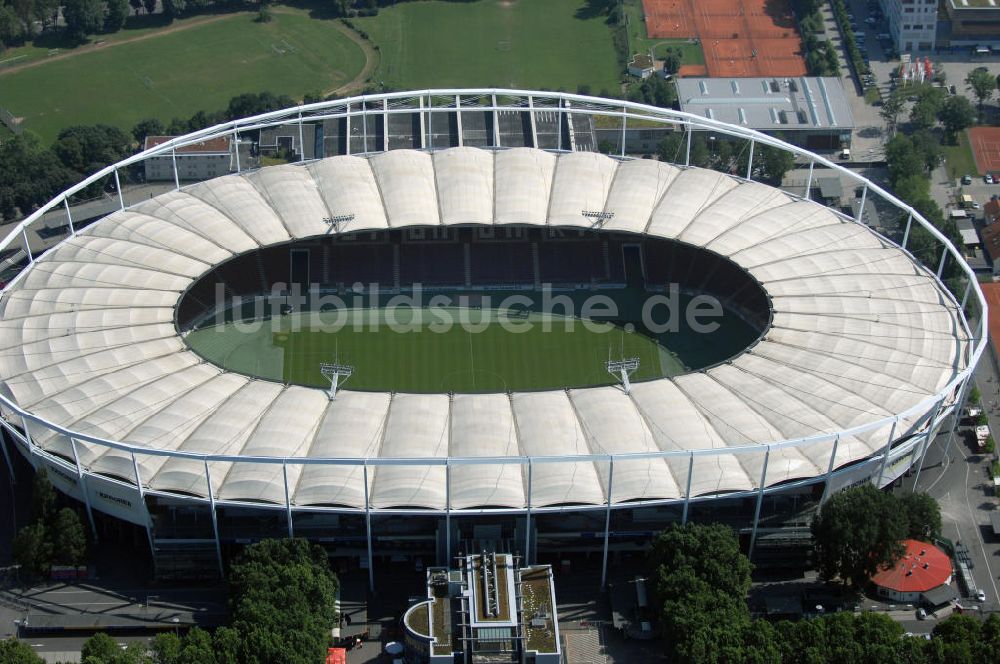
<point x="982" y="84"/>
<point x="115" y="14"/>
<point x="13" y="651"/>
<point x="174" y="8"/>
<point x="226" y="643"/>
<point x="923" y="515"/>
<point x="700" y="578"/>
<point x="83" y="17"/>
<point x="197" y="648"/>
<point x="956" y="114"/>
<point x="69" y="540"/>
<point x="43" y="498"/>
<point x="604" y="146"/>
<point x="709" y="552"/>
<point x="671" y="61"/>
<point x="101" y="648"/>
<point x="857" y="532"/>
<point x="901" y="158"/>
<point x="774" y="163"/>
<point x="147" y="127"/>
<point x="282" y="596"/>
<point x="166" y="647"/>
<point x="150" y="6"/>
<point x="925" y="111"/>
<point x="89" y="148"/>
<point x="892" y="106"/>
<point x="670" y="149"/>
<point x="32" y="550"/>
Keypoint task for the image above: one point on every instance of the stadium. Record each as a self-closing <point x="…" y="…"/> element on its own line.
<point x="177" y="364"/>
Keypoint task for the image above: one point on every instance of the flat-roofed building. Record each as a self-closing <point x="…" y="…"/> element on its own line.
<point x="808" y="111"/>
<point x="912" y="23"/>
<point x="974" y="23"/>
<point x="197" y="161"/>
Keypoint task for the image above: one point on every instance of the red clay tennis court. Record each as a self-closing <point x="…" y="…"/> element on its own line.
<point x="985" y="143"/>
<point x="739" y="37"/>
<point x="991" y="291"/>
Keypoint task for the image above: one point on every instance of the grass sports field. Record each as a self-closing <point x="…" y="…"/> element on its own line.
<point x="476" y="353"/>
<point x="506" y="43"/>
<point x="176" y="74"/>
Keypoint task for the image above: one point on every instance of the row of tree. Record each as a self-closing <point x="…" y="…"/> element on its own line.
<point x="728" y="155"/>
<point x="282" y="608"/>
<point x="700" y="581"/>
<point x="54" y="537"/>
<point x="31" y="174"/>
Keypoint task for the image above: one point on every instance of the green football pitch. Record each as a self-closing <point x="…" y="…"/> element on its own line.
<point x="176" y="74"/>
<point x="532" y="44"/>
<point x="433" y="350"/>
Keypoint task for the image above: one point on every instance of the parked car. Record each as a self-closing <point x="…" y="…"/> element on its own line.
<point x="871" y="20"/>
<point x="966" y="179"/>
<point x="981" y="596"/>
<point x="921" y="614"/>
<point x="988" y="179"/>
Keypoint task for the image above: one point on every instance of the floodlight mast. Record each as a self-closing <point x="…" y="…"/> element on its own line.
<point x="600" y="217"/>
<point x="338" y="220"/>
<point x="334" y="372"/>
<point x="623" y="369"/>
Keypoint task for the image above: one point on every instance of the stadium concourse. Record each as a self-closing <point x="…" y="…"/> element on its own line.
<point x="859" y="335"/>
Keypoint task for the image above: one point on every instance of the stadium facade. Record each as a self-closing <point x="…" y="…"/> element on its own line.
<point x="865" y="349"/>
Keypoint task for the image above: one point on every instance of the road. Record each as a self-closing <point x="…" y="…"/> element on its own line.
<point x="957" y="477"/>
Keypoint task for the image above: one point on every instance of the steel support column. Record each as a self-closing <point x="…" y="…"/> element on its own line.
<point x="302" y="139"/>
<point x="687" y="492"/>
<point x="236" y="150"/>
<point x="527" y="521"/>
<point x="944" y="256"/>
<point x="963" y="394"/>
<point x="750" y="159"/>
<point x="27" y="247"/>
<point x="215" y="520"/>
<point x="906" y="233"/>
<point x="82" y="478"/>
<point x="809" y="181"/>
<point x="861" y="208"/>
<point x="145" y="507"/>
<point x="687" y="155"/>
<point x="6" y="456"/>
<point x="447" y="513"/>
<point x="347" y="131"/>
<point x="624" y="124"/>
<point x="829" y="470"/>
<point x="927" y="442"/>
<point x="288" y="502"/>
<point x="885" y="455"/>
<point x="173" y="159"/>
<point x="965" y="296"/>
<point x="760" y="501"/>
<point x="69" y="217"/>
<point x="607" y="524"/>
<point x="368" y="532"/>
<point x="118" y="186"/>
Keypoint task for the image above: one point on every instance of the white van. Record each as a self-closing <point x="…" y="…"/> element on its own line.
<point x="958" y="214"/>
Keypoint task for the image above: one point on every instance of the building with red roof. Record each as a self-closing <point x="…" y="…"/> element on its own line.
<point x="917" y="576"/>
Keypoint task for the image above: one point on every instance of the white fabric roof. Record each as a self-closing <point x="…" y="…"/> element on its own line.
<point x="859" y="333"/>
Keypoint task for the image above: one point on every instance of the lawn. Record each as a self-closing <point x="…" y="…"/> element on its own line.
<point x="639" y="42"/>
<point x="551" y="44"/>
<point x="958" y="159"/>
<point x="477" y="357"/>
<point x="179" y="73"/>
